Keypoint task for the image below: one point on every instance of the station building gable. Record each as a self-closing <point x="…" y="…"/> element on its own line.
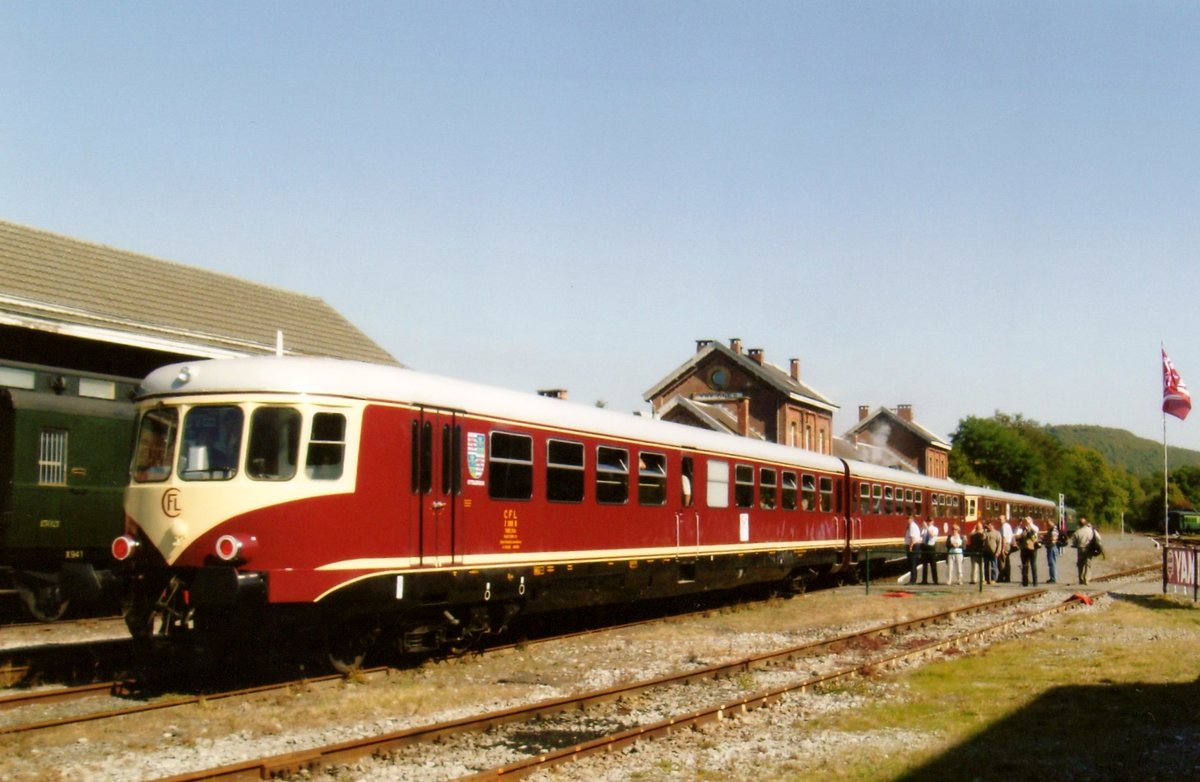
<point x="727" y="389"/>
<point x="893" y="435"/>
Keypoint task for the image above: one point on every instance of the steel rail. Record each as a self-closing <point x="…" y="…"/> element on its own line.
<point x="730" y="709"/>
<point x="295" y="762"/>
<point x="172" y="703"/>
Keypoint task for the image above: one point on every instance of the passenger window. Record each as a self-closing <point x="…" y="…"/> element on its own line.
<point x="212" y="443"/>
<point x="564" y="471"/>
<point x="864" y="498"/>
<point x="809" y="488"/>
<point x="612" y="475"/>
<point x="685" y="482"/>
<point x="908" y="501"/>
<point x="155" y="445"/>
<point x="652" y="479"/>
<point x="510" y="467"/>
<point x="766" y="488"/>
<point x="326" y="447"/>
<point x="717" y="490"/>
<point x="743" y="490"/>
<point x="826" y="493"/>
<point x="888" y="506"/>
<point x="274" y="443"/>
<point x="917" y="502"/>
<point x="789" y="491"/>
<point x="877" y="498"/>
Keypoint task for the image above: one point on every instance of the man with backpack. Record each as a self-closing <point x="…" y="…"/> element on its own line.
<point x="1086" y="542"/>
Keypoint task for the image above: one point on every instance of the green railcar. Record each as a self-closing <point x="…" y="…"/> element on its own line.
<point x="1184" y="522"/>
<point x="64" y="452"/>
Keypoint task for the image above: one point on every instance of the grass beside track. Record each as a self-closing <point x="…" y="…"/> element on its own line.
<point x="1104" y="694"/>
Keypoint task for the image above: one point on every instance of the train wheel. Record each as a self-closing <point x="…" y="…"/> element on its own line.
<point x="346" y="648"/>
<point x="45" y="603"/>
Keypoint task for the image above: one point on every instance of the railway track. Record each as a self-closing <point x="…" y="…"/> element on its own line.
<point x="533" y="733"/>
<point x="127" y="688"/>
<point x="602" y="739"/>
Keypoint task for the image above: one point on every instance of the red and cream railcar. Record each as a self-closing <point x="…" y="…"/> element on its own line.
<point x="984" y="505"/>
<point x="287" y="496"/>
<point x="882" y="499"/>
<point x="365" y="500"/>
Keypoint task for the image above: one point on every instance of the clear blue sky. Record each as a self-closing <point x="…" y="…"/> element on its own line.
<point x="965" y="206"/>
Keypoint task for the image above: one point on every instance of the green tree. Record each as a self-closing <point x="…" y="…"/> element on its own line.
<point x="1092" y="487"/>
<point x="992" y="451"/>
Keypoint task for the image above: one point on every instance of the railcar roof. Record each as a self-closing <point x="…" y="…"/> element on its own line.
<point x="356" y="380"/>
<point x="997" y="494"/>
<point x="376" y="382"/>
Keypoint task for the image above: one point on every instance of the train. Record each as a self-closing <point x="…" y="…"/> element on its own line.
<point x="360" y="507"/>
<point x="65" y="442"/>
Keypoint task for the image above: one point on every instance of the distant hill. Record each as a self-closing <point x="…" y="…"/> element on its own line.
<point x="1124" y="449"/>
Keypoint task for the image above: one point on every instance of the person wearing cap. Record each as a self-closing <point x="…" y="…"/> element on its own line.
<point x="954" y="556"/>
<point x="1029" y="539"/>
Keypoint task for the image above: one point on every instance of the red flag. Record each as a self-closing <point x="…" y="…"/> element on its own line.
<point x="1176" y="399"/>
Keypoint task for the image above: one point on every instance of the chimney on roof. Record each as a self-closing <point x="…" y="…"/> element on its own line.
<point x="701" y="344"/>
<point x="553" y="393"/>
<point x="743" y="416"/>
<point x="794" y="369"/>
<point x="863" y="412"/>
<point x="735" y="344"/>
<point x="756" y="354"/>
<point x="905" y="412"/>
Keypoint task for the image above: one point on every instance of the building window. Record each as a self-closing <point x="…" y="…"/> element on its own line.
<point x="52" y="458"/>
<point x="510" y="466"/>
<point x="564" y="471"/>
<point x="612" y="475"/>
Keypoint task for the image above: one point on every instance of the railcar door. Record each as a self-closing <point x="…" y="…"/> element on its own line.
<point x="687" y="519"/>
<point x="437" y="474"/>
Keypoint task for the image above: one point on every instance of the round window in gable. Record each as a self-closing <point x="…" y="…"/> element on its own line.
<point x="719" y="378"/>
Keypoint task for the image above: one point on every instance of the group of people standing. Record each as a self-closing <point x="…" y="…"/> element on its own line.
<point x="990" y="547"/>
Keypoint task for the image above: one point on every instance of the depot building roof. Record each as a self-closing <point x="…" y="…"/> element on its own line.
<point x="55" y="283"/>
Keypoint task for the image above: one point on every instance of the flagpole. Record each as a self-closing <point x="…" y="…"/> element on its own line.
<point x="1166" y="481"/>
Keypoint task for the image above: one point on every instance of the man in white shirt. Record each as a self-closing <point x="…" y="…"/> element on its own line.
<point x="912" y="546"/>
<point x="1006" y="537"/>
<point x="929" y="539"/>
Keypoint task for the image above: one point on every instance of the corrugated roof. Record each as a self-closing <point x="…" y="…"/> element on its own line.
<point x="53" y="281"/>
